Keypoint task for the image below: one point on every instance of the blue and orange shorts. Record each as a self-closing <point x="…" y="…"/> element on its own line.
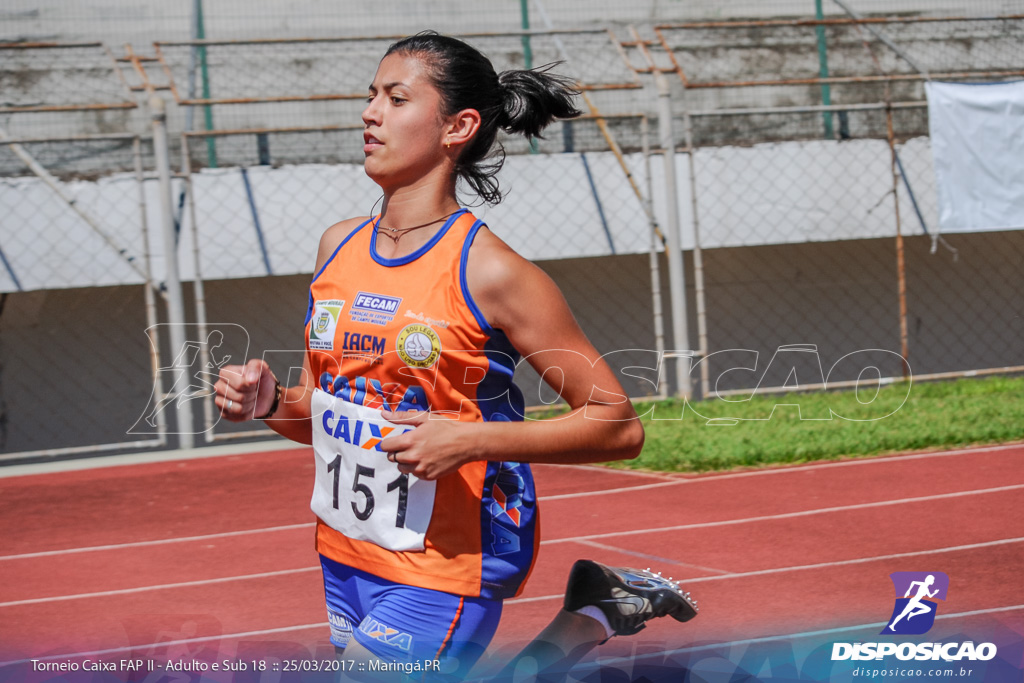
<point x="399" y="623"/>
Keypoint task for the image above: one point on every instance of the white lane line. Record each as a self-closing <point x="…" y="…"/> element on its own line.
<point x="162" y="541"/>
<point x="858" y="461"/>
<point x="565" y="496"/>
<point x="621" y="489"/>
<point x="571" y="539"/>
<point x="785" y="515"/>
<point x="605" y="470"/>
<point x="803" y="567"/>
<point x="704" y="579"/>
<point x="787" y="636"/>
<point x="690" y="478"/>
<point x="164" y="586"/>
<point x="169" y="643"/>
<point x="655" y="558"/>
<point x="859" y="560"/>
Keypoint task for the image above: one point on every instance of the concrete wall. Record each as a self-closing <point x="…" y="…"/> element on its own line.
<point x="88" y="347"/>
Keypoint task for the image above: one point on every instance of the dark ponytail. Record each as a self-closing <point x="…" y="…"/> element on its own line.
<point x="533" y="99"/>
<point x="521" y="102"/>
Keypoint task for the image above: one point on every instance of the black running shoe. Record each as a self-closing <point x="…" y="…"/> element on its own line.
<point x="628" y="597"/>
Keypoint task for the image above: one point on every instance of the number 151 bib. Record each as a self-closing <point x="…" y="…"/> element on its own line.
<point x="358" y="491"/>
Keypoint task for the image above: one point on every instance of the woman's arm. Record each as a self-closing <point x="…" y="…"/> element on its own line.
<point x="518" y="298"/>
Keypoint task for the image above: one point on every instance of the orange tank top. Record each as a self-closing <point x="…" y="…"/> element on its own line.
<point x="405" y="334"/>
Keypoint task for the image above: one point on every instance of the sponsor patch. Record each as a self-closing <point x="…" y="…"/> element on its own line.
<point x="341" y="628"/>
<point x="323" y="324"/>
<point x="386" y="634"/>
<point x="418" y="346"/>
<point x="375" y="309"/>
<point x="368" y="348"/>
<point x="435" y="322"/>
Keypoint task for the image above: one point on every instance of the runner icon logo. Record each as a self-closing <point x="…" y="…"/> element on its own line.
<point x="916" y="606"/>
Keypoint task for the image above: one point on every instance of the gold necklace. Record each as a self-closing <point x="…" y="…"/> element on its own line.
<point x="397" y="233"/>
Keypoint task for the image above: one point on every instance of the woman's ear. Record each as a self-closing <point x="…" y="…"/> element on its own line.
<point x="461" y="128"/>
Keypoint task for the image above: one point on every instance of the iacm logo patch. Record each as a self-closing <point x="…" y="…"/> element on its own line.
<point x="916" y="606"/>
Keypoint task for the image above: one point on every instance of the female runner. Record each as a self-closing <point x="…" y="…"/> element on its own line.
<point x="417" y="317"/>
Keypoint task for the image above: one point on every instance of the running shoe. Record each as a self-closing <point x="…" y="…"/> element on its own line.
<point x="627" y="597"/>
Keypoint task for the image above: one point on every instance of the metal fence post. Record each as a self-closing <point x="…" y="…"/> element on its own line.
<point x="659" y="323"/>
<point x="172" y="280"/>
<point x="674" y="249"/>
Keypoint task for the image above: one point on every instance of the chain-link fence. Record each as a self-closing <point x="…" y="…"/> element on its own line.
<point x="815" y="223"/>
<point x="144" y="21"/>
<point x="806" y="211"/>
<point x="69" y="224"/>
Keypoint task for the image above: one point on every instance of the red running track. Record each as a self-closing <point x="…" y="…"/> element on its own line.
<point x="214" y="557"/>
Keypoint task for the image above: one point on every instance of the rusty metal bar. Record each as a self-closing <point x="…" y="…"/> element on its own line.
<point x="256" y="131"/>
<point x="116" y="68"/>
<point x="73" y="138"/>
<point x="280" y="98"/>
<point x="147" y="85"/>
<point x="38" y="108"/>
<point x="367" y="39"/>
<point x="768" y="23"/>
<point x="672" y="56"/>
<point x="623" y="55"/>
<point x="594" y="87"/>
<point x="901" y="269"/>
<point x="809" y="109"/>
<point x="45" y="46"/>
<point x="856" y="79"/>
<point x="167" y="72"/>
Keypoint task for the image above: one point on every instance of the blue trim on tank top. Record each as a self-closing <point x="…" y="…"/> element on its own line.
<point x="392" y="262"/>
<point x="474" y="309"/>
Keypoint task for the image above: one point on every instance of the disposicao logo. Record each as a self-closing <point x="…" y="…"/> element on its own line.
<point x="914" y="614"/>
<point x="915" y="611"/>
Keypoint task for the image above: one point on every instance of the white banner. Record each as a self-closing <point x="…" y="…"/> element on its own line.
<point x="977" y="133"/>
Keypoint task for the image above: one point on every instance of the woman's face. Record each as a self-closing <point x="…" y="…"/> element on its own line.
<point x="404" y="128"/>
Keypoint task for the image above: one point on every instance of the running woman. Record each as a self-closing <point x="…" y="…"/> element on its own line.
<point x="426" y="512"/>
<point x="916" y="605"/>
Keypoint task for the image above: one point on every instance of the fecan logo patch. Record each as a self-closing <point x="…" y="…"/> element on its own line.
<point x="914" y="612"/>
<point x="375" y="309"/>
<point x="418" y="346"/>
<point x="323" y="324"/>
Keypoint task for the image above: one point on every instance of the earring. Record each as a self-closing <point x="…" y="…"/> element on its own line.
<point x="448" y="144"/>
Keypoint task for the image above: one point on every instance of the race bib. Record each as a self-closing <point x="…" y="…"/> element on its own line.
<point x="358" y="491"/>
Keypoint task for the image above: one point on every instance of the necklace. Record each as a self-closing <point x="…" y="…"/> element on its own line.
<point x="395" y="234"/>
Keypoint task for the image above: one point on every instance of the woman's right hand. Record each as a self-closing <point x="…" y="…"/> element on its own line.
<point x="244" y="391"/>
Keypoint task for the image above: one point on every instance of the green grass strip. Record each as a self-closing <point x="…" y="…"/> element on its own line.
<point x="801" y="427"/>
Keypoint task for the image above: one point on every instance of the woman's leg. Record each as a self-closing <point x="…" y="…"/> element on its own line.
<point x="600" y="602"/>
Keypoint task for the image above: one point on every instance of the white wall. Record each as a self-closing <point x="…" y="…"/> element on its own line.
<point x="766" y="194"/>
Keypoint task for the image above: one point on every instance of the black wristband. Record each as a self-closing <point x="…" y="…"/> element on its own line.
<point x="278" y="390"/>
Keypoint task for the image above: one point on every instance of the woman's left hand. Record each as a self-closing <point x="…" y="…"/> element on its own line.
<point x="435" y="448"/>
